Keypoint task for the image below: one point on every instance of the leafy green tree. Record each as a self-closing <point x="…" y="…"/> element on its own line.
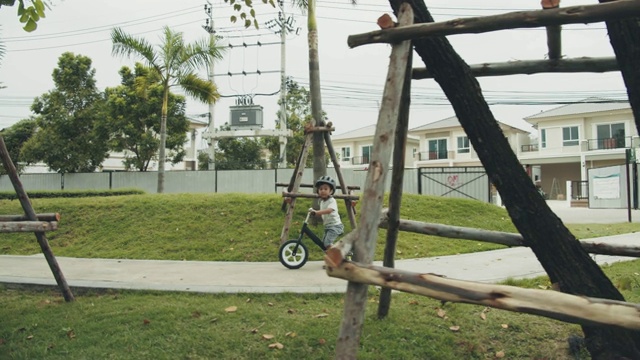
<point x="71" y="136"/>
<point x="203" y="160"/>
<point x="176" y="63"/>
<point x="239" y="154"/>
<point x="134" y="109"/>
<point x="298" y="108"/>
<point x="14" y="137"/>
<point x="29" y="15"/>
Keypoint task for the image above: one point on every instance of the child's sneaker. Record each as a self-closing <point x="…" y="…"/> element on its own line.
<point x="349" y="255"/>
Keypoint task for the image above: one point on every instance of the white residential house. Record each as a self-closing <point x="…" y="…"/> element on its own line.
<point x="444" y="143"/>
<point x="576" y="137"/>
<point x="354" y="148"/>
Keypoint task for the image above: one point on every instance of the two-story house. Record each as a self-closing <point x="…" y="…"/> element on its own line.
<point x="444" y="143"/>
<point x="354" y="148"/>
<point x="576" y="137"/>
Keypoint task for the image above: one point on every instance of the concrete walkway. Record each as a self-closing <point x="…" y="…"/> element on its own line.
<point x="272" y="277"/>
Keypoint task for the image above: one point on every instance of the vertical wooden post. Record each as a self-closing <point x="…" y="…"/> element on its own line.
<point x="397" y="177"/>
<point x="366" y="233"/>
<point x="284" y="235"/>
<point x="31" y="214"/>
<point x="554" y="40"/>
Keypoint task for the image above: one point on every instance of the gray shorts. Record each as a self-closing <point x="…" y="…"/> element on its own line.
<point x="331" y="233"/>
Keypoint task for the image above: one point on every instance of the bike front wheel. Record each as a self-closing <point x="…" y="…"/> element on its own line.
<point x="291" y="257"/>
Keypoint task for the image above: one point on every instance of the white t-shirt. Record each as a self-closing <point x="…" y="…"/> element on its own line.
<point x="332" y="218"/>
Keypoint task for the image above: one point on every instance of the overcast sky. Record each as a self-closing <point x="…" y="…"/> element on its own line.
<point x="352" y="79"/>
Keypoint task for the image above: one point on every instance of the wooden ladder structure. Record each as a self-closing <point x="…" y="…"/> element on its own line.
<point x="294" y="185"/>
<point x="32" y="222"/>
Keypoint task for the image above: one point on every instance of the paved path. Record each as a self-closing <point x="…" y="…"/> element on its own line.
<point x="272" y="277"/>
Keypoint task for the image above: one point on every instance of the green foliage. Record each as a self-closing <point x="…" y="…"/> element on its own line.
<point x="14" y="137"/>
<point x="235" y="227"/>
<point x="165" y="325"/>
<point x="71" y="136"/>
<point x="29" y="15"/>
<point x="298" y="110"/>
<point x="11" y="195"/>
<point x="250" y="19"/>
<point x="176" y="63"/>
<point x="238" y="154"/>
<point x="203" y="160"/>
<point x="134" y="110"/>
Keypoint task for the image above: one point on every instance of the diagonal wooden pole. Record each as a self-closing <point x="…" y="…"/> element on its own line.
<point x="31" y="215"/>
<point x="366" y="232"/>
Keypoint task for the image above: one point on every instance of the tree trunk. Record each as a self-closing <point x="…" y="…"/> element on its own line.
<point x="624" y="36"/>
<point x="319" y="163"/>
<point x="558" y="251"/>
<point x="163" y="139"/>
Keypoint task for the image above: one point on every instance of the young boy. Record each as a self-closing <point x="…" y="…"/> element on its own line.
<point x="333" y="227"/>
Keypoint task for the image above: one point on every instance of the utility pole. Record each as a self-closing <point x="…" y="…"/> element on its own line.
<point x="208" y="27"/>
<point x="284" y="25"/>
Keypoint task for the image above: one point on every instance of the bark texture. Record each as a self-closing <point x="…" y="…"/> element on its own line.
<point x="558" y="251"/>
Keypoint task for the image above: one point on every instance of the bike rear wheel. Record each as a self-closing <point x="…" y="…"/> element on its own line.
<point x="290" y="259"/>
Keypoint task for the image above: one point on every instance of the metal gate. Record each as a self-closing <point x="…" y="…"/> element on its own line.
<point x="455" y="182"/>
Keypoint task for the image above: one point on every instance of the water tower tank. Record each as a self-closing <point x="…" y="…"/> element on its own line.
<point x="246" y="117"/>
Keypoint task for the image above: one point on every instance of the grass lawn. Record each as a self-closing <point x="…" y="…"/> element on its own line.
<point x="238" y="227"/>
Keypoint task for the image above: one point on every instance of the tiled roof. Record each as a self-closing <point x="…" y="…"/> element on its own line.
<point x="452" y="122"/>
<point x="440" y="124"/>
<point x="364" y="132"/>
<point x="590" y="105"/>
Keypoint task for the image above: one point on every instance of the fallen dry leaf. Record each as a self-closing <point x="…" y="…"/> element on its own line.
<point x="29" y="337"/>
<point x="454" y="328"/>
<point x="146" y="322"/>
<point x="270" y="304"/>
<point x="254" y="330"/>
<point x="196" y="314"/>
<point x="504" y="326"/>
<point x="322" y="315"/>
<point x="441" y="313"/>
<point x="291" y="334"/>
<point x="290" y="311"/>
<point x="267" y="336"/>
<point x="500" y="354"/>
<point x="71" y="334"/>
<point x="413" y="302"/>
<point x="231" y="309"/>
<point x="276" y="346"/>
<point x="248" y="300"/>
<point x="322" y="341"/>
<point x="483" y="316"/>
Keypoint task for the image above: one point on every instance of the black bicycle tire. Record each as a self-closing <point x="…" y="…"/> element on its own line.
<point x="282" y="257"/>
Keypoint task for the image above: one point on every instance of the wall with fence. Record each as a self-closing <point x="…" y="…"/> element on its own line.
<point x="211" y="181"/>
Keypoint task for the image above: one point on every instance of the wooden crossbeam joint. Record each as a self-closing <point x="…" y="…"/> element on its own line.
<point x="27" y="226"/>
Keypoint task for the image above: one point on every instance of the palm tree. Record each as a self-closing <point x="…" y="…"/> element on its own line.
<point x="309" y="6"/>
<point x="176" y="63"/>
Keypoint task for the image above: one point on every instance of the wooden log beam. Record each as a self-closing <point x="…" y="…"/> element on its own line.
<point x="312" y="186"/>
<point x="315" y="196"/>
<point x="548" y="303"/>
<point x="40" y="217"/>
<point x="295" y="184"/>
<point x="582" y="14"/>
<point x="318" y="129"/>
<point x="27" y="226"/>
<point x="529" y="67"/>
<point x="498" y="237"/>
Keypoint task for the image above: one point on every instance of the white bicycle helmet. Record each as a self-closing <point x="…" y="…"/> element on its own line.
<point x="327" y="180"/>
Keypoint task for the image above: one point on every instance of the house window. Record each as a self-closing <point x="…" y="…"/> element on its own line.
<point x="610" y="136"/>
<point x="570" y="136"/>
<point x="366" y="153"/>
<point x="463" y="144"/>
<point x="346" y="153"/>
<point x="543" y="138"/>
<point x="437" y="149"/>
